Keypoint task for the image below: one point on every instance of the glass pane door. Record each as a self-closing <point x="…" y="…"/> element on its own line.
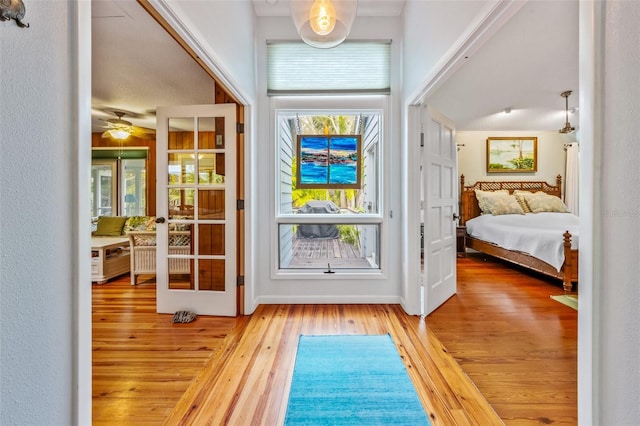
<point x="196" y="151"/>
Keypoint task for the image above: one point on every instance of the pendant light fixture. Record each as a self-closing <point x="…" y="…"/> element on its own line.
<point x="323" y="23"/>
<point x="567" y="126"/>
<point x="119" y="134"/>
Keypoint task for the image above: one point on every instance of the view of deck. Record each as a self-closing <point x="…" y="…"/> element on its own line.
<point x="318" y="252"/>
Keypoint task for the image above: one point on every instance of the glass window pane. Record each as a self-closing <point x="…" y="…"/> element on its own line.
<point x="181" y="270"/>
<point x="134" y="187"/>
<point x="352" y="201"/>
<point x="181" y="202"/>
<point x="181" y="168"/>
<point x="211" y="168"/>
<point x="210" y="132"/>
<point x="323" y="246"/>
<point x="211" y="239"/>
<point x="181" y="131"/>
<point x="211" y="274"/>
<point x="180" y="274"/>
<point x="101" y="189"/>
<point x="211" y="204"/>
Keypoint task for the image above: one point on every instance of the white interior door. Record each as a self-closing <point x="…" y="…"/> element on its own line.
<point x="440" y="209"/>
<point x="196" y="209"/>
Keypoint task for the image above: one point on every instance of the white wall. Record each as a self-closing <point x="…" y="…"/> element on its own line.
<point x="618" y="291"/>
<point x="225" y="29"/>
<point x="38" y="227"/>
<point x="472" y="157"/>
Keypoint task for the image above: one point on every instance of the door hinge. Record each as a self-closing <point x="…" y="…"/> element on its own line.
<point x="239" y="204"/>
<point x="239" y="127"/>
<point x="422" y="139"/>
<point x="240" y="280"/>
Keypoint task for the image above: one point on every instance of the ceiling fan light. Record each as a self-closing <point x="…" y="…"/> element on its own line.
<point x="567" y="126"/>
<point x="119" y="134"/>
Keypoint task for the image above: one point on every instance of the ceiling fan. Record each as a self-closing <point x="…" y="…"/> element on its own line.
<point x="118" y="128"/>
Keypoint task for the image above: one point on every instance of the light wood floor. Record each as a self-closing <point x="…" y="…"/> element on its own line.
<point x="142" y="362"/>
<point x="236" y="371"/>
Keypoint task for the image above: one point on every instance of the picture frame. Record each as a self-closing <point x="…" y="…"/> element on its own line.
<point x="328" y="161"/>
<point x="512" y="154"/>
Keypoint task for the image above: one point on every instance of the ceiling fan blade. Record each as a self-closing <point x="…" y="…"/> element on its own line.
<point x="142" y="131"/>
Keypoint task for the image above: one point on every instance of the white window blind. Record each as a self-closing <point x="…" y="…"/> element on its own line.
<point x="351" y="67"/>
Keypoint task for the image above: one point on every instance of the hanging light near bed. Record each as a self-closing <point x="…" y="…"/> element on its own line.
<point x="323" y="23"/>
<point x="567" y="126"/>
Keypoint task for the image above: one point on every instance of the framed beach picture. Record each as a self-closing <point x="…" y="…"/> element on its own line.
<point x="328" y="161"/>
<point x="512" y="154"/>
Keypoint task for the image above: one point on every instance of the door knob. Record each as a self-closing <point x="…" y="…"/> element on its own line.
<point x="160" y="220"/>
<point x="455" y="216"/>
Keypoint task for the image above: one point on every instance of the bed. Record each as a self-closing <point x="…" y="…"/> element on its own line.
<point x="556" y="252"/>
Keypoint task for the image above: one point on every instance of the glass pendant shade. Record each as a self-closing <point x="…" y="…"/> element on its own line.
<point x="119" y="134"/>
<point x="323" y="23"/>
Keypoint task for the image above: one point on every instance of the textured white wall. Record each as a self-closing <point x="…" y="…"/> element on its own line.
<point x="619" y="299"/>
<point x="36" y="195"/>
<point x="472" y="157"/>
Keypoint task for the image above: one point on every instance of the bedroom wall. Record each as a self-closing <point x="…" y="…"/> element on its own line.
<point x="472" y="157"/>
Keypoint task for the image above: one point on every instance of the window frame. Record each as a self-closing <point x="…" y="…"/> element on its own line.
<point x="349" y="105"/>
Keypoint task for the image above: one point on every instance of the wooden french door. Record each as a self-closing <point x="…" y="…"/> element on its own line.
<point x="196" y="209"/>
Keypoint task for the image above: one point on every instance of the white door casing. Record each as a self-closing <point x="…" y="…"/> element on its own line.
<point x="440" y="210"/>
<point x="196" y="197"/>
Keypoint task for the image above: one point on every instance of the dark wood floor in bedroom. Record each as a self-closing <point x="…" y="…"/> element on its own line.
<point x="517" y="345"/>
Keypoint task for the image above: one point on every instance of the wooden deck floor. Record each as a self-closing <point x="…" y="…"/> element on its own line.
<point x="317" y="253"/>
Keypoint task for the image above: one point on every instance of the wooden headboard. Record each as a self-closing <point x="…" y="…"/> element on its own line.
<point x="469" y="203"/>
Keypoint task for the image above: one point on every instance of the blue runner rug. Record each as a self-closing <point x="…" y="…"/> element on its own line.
<point x="352" y="380"/>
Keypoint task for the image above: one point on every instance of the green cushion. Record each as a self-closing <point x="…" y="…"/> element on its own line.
<point x="110" y="226"/>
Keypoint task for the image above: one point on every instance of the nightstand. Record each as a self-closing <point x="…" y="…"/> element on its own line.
<point x="461" y="232"/>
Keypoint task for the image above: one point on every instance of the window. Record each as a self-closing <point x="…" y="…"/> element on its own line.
<point x="329" y="226"/>
<point x="118" y="182"/>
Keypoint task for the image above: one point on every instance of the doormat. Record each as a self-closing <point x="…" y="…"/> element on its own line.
<point x="567" y="299"/>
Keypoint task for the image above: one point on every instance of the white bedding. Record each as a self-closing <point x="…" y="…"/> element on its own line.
<point x="537" y="234"/>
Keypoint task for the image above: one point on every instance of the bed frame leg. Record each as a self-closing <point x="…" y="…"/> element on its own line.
<point x="566" y="269"/>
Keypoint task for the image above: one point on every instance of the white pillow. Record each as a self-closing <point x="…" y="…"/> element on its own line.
<point x="498" y="203"/>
